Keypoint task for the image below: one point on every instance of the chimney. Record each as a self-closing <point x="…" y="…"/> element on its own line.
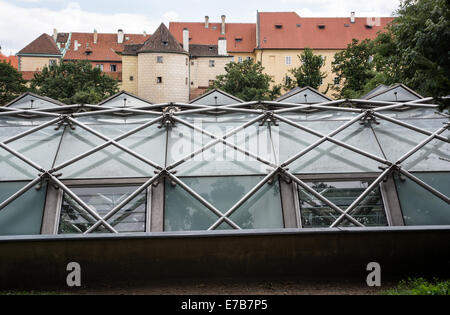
<point x="95" y="36"/>
<point x="352" y="17"/>
<point x="55" y="34"/>
<point x="223" y="25"/>
<point x="120" y="36"/>
<point x="222" y="46"/>
<point x="206" y="21"/>
<point x="186" y="39"/>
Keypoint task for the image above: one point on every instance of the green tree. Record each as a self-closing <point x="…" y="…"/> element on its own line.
<point x="74" y="82"/>
<point x="11" y="83"/>
<point x="308" y="74"/>
<point x="415" y="51"/>
<point x="354" y="67"/>
<point x="247" y="81"/>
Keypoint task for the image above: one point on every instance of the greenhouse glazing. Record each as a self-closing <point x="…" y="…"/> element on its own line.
<point x="83" y="169"/>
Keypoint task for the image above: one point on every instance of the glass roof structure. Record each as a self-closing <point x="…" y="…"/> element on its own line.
<point x="142" y="168"/>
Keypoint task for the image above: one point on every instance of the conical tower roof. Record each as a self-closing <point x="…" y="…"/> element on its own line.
<point x="162" y="41"/>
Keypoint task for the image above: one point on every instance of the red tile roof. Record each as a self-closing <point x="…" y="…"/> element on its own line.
<point x="13" y="60"/>
<point x="105" y="49"/>
<point x="297" y="32"/>
<point x="210" y="36"/>
<point x="44" y="45"/>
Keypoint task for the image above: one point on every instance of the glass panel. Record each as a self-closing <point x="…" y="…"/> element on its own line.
<point x="220" y="159"/>
<point x="396" y="141"/>
<point x="24" y="215"/>
<point x="38" y="103"/>
<point x="327" y="157"/>
<point x="131" y="218"/>
<point x="316" y="214"/>
<point x="125" y="100"/>
<point x="419" y="206"/>
<point x="184" y="213"/>
<point x="40" y="147"/>
<point x="112" y="162"/>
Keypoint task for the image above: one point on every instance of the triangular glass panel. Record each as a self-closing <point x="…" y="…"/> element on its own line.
<point x="328" y="157"/>
<point x="419" y="206"/>
<point x="24" y="215"/>
<point x="40" y="147"/>
<point x="220" y="159"/>
<point x="110" y="162"/>
<point x="396" y="140"/>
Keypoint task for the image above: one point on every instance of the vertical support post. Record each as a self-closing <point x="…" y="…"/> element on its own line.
<point x="288" y="205"/>
<point x="391" y="202"/>
<point x="157" y="211"/>
<point x="51" y="210"/>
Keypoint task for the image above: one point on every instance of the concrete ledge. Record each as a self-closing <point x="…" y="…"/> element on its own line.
<point x="40" y="261"/>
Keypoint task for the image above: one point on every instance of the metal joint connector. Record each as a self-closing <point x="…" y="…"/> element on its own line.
<point x="369" y="118"/>
<point x="269" y="118"/>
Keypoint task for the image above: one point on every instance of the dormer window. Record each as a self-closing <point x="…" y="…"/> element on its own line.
<point x="321" y="26"/>
<point x="279" y="26"/>
<point x="165" y="43"/>
<point x="369" y="26"/>
<point x="238" y="39"/>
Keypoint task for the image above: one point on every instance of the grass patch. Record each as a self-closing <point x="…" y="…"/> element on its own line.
<point x="421" y="286"/>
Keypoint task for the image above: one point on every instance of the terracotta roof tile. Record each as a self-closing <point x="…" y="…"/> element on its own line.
<point x="287" y="30"/>
<point x="12" y="60"/>
<point x="44" y="44"/>
<point x="106" y="49"/>
<point x="245" y="33"/>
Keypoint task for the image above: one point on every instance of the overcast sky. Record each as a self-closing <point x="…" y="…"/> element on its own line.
<point x="21" y="21"/>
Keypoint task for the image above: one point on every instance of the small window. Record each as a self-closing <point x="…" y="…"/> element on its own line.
<point x="287" y="80"/>
<point x="130" y="219"/>
<point x="337" y="80"/>
<point x="159" y="59"/>
<point x="187" y="81"/>
<point x="52" y="62"/>
<point x="288" y="60"/>
<point x="321" y="26"/>
<point x="192" y="63"/>
<point x="113" y="68"/>
<point x="131" y="78"/>
<point x="238" y="40"/>
<point x="278" y="26"/>
<point x="212" y="63"/>
<point x="249" y="58"/>
<point x="299" y="25"/>
<point x="165" y="43"/>
<point x="211" y="82"/>
<point x="159" y="80"/>
<point x="99" y="66"/>
<point x="187" y="61"/>
<point x="240" y="59"/>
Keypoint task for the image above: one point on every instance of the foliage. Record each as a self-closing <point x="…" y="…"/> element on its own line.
<point x="354" y="67"/>
<point x="11" y="83"/>
<point x="421" y="286"/>
<point x="74" y="83"/>
<point x="247" y="81"/>
<point x="413" y="50"/>
<point x="308" y="74"/>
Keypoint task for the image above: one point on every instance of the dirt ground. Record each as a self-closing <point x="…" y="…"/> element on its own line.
<point x="226" y="287"/>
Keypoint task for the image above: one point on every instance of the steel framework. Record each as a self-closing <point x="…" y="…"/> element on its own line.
<point x="170" y="113"/>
